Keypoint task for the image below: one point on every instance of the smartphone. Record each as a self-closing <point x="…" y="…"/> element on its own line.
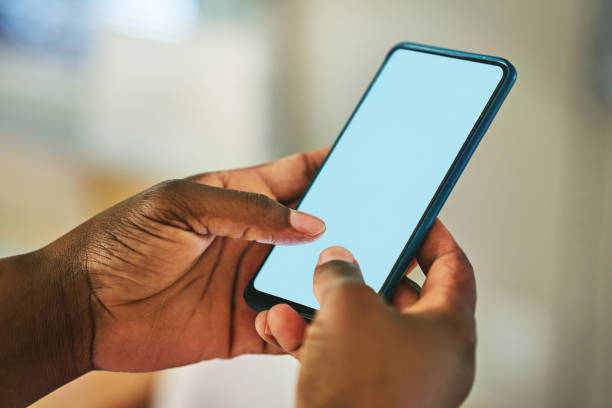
<point x="391" y="169"/>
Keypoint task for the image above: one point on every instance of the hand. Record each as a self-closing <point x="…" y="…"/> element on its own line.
<point x="167" y="268"/>
<point x="361" y="352"/>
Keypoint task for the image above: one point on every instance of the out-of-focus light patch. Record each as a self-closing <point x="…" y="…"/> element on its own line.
<point x="58" y="27"/>
<point x="159" y="20"/>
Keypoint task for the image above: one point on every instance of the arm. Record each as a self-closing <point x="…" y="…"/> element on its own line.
<point x="45" y="324"/>
<point x="153" y="282"/>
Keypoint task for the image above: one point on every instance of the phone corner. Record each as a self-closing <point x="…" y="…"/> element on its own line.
<point x="509" y="70"/>
<point x="250" y="297"/>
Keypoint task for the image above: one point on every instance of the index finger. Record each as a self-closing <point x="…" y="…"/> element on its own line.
<point x="450" y="284"/>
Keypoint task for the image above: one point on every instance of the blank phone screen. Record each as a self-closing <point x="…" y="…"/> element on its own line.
<point x="386" y="167"/>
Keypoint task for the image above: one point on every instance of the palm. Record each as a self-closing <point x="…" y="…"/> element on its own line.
<point x="180" y="299"/>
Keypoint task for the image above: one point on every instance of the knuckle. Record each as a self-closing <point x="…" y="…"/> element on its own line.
<point x="213" y="179"/>
<point x="260" y="204"/>
<point x="349" y="291"/>
<point x="170" y="187"/>
<point x="356" y="289"/>
<point x="340" y="271"/>
<point x="337" y="267"/>
<point x="461" y="328"/>
<point x="163" y="198"/>
<point x="458" y="259"/>
<point x="349" y="301"/>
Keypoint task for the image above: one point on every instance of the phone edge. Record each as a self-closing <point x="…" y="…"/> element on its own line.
<point x="458" y="166"/>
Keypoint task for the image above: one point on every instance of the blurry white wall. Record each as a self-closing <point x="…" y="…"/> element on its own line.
<point x="179" y="107"/>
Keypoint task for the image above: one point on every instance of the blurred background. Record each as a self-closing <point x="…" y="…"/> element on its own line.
<point x="99" y="100"/>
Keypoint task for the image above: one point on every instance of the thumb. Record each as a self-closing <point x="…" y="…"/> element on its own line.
<point x="337" y="275"/>
<point x="208" y="210"/>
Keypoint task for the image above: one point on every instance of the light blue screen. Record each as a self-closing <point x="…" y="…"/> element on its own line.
<point x="386" y="167"/>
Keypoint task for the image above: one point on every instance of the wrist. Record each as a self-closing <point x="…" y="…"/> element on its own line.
<point x="44" y="306"/>
<point x="69" y="297"/>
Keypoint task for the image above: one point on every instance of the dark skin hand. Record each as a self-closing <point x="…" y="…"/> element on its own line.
<point x="153" y="282"/>
<point x="362" y="352"/>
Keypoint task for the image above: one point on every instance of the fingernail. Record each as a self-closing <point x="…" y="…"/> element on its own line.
<point x="335" y="254"/>
<point x="306" y="223"/>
